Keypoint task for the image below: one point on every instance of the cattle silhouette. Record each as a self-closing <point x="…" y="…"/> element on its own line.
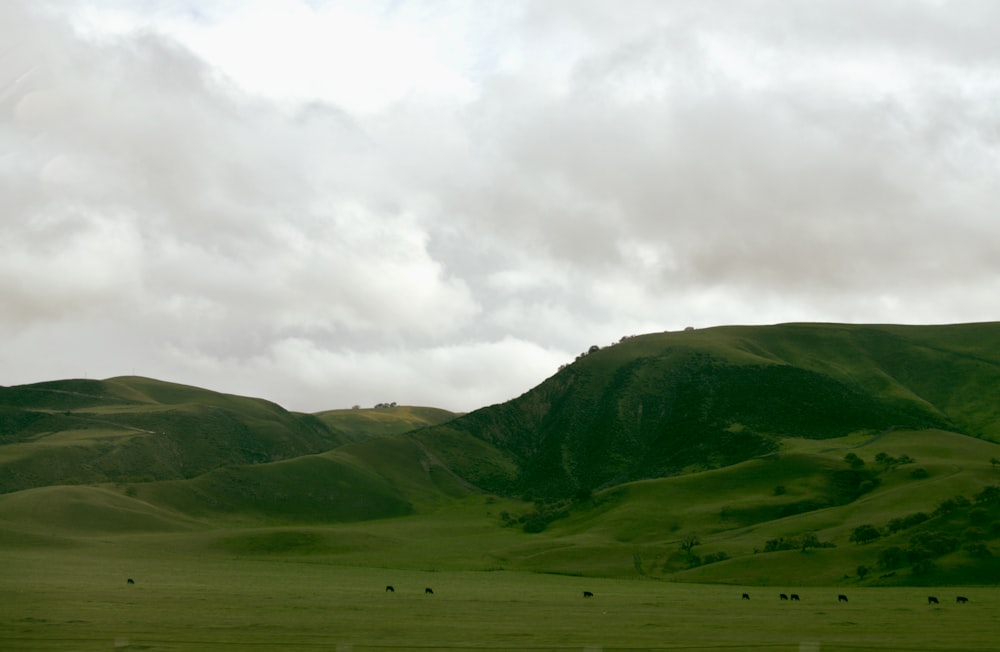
<point x="794" y="596"/>
<point x="389" y="588"/>
<point x="429" y="591"/>
<point x="932" y="600"/>
<point x="130" y="581"/>
<point x="841" y="598"/>
<point x="961" y="599"/>
<point x="783" y="596"/>
<point x="746" y="596"/>
<point x="588" y="594"/>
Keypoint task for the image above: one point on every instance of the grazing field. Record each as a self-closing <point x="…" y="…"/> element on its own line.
<point x="188" y="597"/>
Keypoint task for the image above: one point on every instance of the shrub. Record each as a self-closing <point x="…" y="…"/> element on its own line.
<point x="854" y="461"/>
<point x="865" y="534"/>
<point x="931" y="544"/>
<point x="891" y="557"/>
<point x="950" y="505"/>
<point x="897" y="524"/>
<point x="988" y="496"/>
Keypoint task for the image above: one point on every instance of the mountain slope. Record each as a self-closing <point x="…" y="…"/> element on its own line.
<point x="733" y="454"/>
<point x="139" y="429"/>
<point x="659" y="404"/>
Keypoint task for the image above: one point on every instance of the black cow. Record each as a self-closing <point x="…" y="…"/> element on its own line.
<point x="961" y="599"/>
<point x="390" y="589"/>
<point x="130" y="581"/>
<point x="746" y="596"/>
<point x="783" y="596"/>
<point x="429" y="591"/>
<point x="932" y="600"/>
<point x="841" y="598"/>
<point x="588" y="594"/>
<point x="794" y="596"/>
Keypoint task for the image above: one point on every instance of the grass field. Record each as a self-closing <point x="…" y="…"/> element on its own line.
<point x="246" y="527"/>
<point x="190" y="595"/>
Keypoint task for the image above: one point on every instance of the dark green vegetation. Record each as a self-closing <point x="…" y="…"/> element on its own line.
<point x="669" y="403"/>
<point x="792" y="455"/>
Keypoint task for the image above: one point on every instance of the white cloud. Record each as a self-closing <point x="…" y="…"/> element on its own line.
<point x="354" y="202"/>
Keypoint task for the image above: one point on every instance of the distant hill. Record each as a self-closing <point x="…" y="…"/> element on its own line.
<point x="133" y="429"/>
<point x="358" y="424"/>
<point x="805" y="453"/>
<point x="665" y="403"/>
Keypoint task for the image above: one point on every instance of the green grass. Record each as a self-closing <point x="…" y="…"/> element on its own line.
<point x="379" y="422"/>
<point x="247" y="523"/>
<point x="192" y="599"/>
<point x="308" y="504"/>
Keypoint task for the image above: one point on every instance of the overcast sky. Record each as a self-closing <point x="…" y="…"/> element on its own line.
<point x="328" y="203"/>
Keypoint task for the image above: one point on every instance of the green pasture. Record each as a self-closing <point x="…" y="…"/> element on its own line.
<point x="188" y="596"/>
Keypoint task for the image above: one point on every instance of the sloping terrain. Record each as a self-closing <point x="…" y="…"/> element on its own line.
<point x="136" y="429"/>
<point x="807" y="453"/>
<point x="661" y="404"/>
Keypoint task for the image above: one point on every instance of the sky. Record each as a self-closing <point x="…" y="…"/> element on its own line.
<point x="338" y="203"/>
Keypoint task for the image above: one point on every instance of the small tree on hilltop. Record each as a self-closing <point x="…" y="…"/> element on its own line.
<point x="865" y="534"/>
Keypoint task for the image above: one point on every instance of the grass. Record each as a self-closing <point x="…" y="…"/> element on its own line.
<point x="237" y="581"/>
<point x="379" y="422"/>
<point x="188" y="598"/>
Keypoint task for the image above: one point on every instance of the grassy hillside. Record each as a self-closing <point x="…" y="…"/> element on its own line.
<point x="805" y="454"/>
<point x="134" y="430"/>
<point x="792" y="517"/>
<point x="358" y="424"/>
<point x="667" y="403"/>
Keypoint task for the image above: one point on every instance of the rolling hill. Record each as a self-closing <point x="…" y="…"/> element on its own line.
<point x="829" y="453"/>
<point x="139" y="430"/>
<point x="662" y="404"/>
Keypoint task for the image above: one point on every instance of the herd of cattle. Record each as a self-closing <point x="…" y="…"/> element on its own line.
<point x="960" y="599"/>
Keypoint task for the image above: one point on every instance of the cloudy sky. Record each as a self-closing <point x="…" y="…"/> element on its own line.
<point x="328" y="203"/>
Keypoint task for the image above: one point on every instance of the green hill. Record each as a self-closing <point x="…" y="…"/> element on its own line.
<point x="662" y="404"/>
<point x="130" y="430"/>
<point x="358" y="424"/>
<point x="813" y="453"/>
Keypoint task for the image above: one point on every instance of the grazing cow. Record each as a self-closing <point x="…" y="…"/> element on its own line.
<point x="130" y="581"/>
<point x="961" y="599"/>
<point x="746" y="596"/>
<point x="841" y="598"/>
<point x="429" y="591"/>
<point x="588" y="594"/>
<point x="932" y="600"/>
<point x="794" y="596"/>
<point x="390" y="588"/>
<point x="783" y="596"/>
